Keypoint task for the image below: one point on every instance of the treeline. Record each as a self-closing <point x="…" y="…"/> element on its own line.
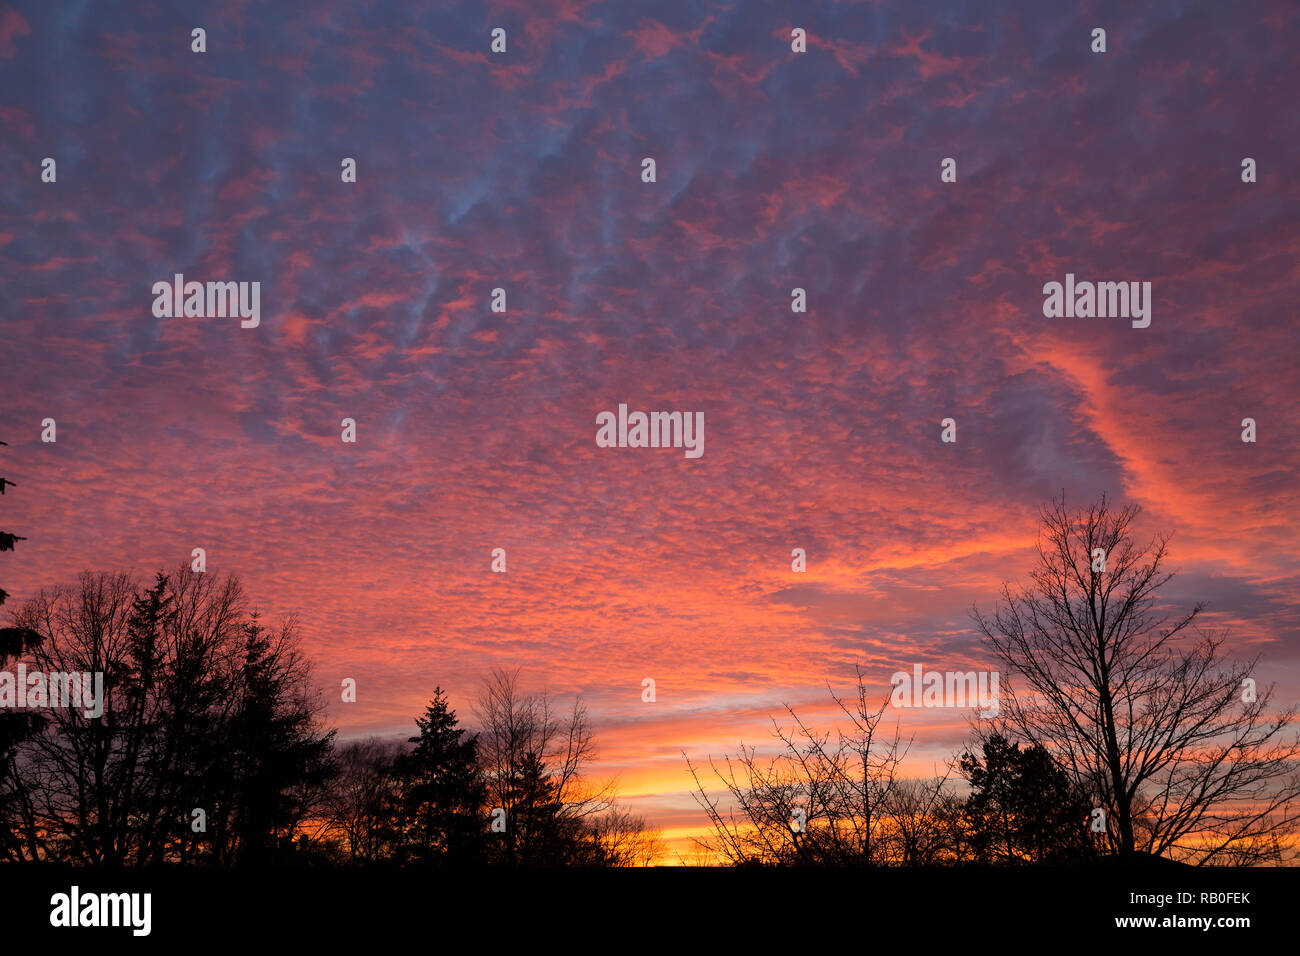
<point x="212" y="749"/>
<point x="838" y="800"/>
<point x="513" y="793"/>
<point x="1123" y="731"/>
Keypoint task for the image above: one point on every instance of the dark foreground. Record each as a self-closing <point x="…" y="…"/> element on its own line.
<point x="665" y="907"/>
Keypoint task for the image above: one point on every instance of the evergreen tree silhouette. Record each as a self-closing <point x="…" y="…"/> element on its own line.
<point x="14" y="641"/>
<point x="1023" y="808"/>
<point x="15" y="726"/>
<point x="441" y="817"/>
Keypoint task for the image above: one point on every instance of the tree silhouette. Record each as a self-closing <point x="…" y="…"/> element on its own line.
<point x="207" y="709"/>
<point x="18" y="832"/>
<point x="361" y="803"/>
<point x="277" y="760"/>
<point x="440" y="805"/>
<point x="1138" y="704"/>
<point x="827" y="799"/>
<point x="533" y="763"/>
<point x="1022" y="807"/>
<point x="14" y="641"/>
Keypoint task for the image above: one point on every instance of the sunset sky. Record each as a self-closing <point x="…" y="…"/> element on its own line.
<point x="476" y="430"/>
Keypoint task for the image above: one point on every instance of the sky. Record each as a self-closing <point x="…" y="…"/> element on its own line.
<point x="476" y="429"/>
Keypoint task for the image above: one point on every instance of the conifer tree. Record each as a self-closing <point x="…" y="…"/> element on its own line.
<point x="441" y="816"/>
<point x="15" y="726"/>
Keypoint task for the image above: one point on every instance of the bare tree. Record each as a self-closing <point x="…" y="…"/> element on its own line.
<point x="533" y="761"/>
<point x="80" y="774"/>
<point x="205" y="709"/>
<point x="622" y="838"/>
<point x="922" y="821"/>
<point x="361" y="799"/>
<point x="1137" y="702"/>
<point x="823" y="798"/>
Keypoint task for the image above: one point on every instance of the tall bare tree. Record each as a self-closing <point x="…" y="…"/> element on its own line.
<point x="206" y="709"/>
<point x="1137" y="701"/>
<point x="533" y="760"/>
